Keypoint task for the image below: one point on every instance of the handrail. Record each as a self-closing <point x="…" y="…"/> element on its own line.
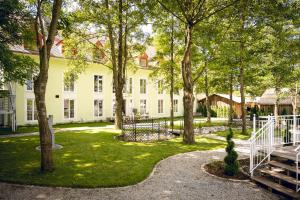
<point x="297" y="170"/>
<point x="259" y="130"/>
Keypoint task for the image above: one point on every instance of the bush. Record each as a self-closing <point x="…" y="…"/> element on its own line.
<point x="231" y="166"/>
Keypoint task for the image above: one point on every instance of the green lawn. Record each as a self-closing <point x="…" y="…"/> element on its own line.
<point x="237" y="134"/>
<point x="90" y="159"/>
<point x="30" y="129"/>
<point x="201" y="124"/>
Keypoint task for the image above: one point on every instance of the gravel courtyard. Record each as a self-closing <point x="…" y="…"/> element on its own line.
<point x="177" y="177"/>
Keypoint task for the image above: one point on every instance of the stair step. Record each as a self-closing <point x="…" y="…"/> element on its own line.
<point x="280" y="176"/>
<point x="287" y="191"/>
<point x="283" y="166"/>
<point x="285" y="154"/>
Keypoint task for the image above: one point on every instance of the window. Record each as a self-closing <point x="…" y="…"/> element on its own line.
<point x="143" y="62"/>
<point x="160" y="106"/>
<point x="98" y="83"/>
<point x="143" y="104"/>
<point x="160" y="87"/>
<point x="175" y="105"/>
<point x="31" y="110"/>
<point x="69" y="84"/>
<point x="29" y="85"/>
<point x="98" y="108"/>
<point x="128" y="86"/>
<point x="69" y="109"/>
<point x="143" y="86"/>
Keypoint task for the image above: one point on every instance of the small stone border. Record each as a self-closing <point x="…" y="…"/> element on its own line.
<point x="221" y="178"/>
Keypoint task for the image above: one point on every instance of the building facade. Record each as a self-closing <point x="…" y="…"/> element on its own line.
<point x="91" y="96"/>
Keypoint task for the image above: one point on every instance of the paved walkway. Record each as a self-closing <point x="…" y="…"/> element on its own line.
<point x="177" y="177"/>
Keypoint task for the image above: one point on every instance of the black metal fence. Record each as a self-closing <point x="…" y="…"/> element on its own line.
<point x="145" y="130"/>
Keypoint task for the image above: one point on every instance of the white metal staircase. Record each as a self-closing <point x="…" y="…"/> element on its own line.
<point x="274" y="154"/>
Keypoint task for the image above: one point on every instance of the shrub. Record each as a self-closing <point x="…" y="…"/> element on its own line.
<point x="231" y="166"/>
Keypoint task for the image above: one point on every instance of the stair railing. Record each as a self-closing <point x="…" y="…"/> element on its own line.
<point x="261" y="145"/>
<point x="272" y="132"/>
<point x="297" y="171"/>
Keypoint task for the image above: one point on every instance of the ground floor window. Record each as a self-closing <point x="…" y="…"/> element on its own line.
<point x="31" y="110"/>
<point x="69" y="108"/>
<point x="175" y="105"/>
<point x="160" y="106"/>
<point x="98" y="107"/>
<point x="143" y="104"/>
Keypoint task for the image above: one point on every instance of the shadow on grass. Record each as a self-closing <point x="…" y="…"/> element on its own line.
<point x="90" y="160"/>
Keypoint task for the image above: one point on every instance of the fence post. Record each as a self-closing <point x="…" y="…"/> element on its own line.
<point x="134" y="130"/>
<point x="294" y="129"/>
<point x="269" y="138"/>
<point x="254" y="125"/>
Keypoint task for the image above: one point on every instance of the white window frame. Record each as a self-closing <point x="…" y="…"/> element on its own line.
<point x="99" y="90"/>
<point x="33" y="110"/>
<point x="160" y="89"/>
<point x="98" y="101"/>
<point x="66" y="88"/>
<point x="175" y="106"/>
<point x="144" y="107"/>
<point x="160" y="106"/>
<point x="26" y="85"/>
<point x="69" y="118"/>
<point x="141" y="87"/>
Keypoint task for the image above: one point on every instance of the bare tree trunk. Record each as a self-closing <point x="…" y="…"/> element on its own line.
<point x="119" y="76"/>
<point x="276" y="107"/>
<point x="207" y="101"/>
<point x="172" y="77"/>
<point x="188" y="97"/>
<point x="242" y="73"/>
<point x="230" y="116"/>
<point x="44" y="45"/>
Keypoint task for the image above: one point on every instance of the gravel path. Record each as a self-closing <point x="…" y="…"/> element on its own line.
<point x="177" y="177"/>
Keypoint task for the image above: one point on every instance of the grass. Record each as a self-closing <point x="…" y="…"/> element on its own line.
<point x="90" y="159"/>
<point x="35" y="128"/>
<point x="237" y="134"/>
<point x="202" y="124"/>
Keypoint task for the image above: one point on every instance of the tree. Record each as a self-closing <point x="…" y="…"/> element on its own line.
<point x="13" y="26"/>
<point x="45" y="34"/>
<point x="283" y="54"/>
<point x="231" y="163"/>
<point x="120" y="23"/>
<point x="190" y="13"/>
<point x="167" y="55"/>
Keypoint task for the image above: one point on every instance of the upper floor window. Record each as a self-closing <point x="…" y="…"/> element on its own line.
<point x="69" y="84"/>
<point x="143" y="62"/>
<point x="160" y="87"/>
<point x="29" y="84"/>
<point x="31" y="114"/>
<point x="143" y="86"/>
<point x="128" y="86"/>
<point x="160" y="106"/>
<point x="98" y="83"/>
<point x="69" y="108"/>
<point x="175" y="105"/>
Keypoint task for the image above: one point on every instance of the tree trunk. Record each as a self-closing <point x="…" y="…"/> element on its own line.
<point x="40" y="84"/>
<point x="119" y="107"/>
<point x="172" y="77"/>
<point x="242" y="73"/>
<point x="230" y="116"/>
<point x="244" y="120"/>
<point x="207" y="101"/>
<point x="188" y="97"/>
<point x="276" y="107"/>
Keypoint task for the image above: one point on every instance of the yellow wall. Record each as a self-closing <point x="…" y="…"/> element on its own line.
<point x="84" y="94"/>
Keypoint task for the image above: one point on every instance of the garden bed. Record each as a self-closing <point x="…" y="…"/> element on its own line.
<point x="216" y="168"/>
